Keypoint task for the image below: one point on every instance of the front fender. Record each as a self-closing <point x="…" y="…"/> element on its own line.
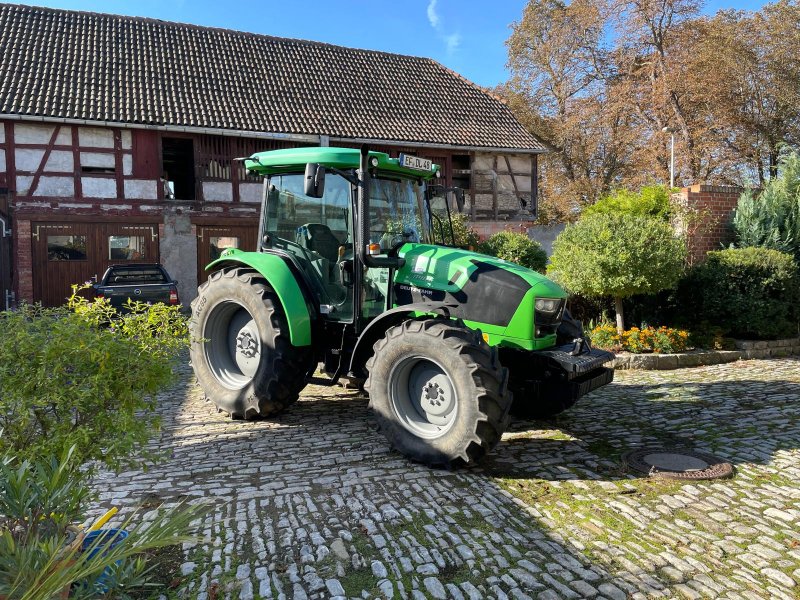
<point x="281" y="279"/>
<point x="377" y="328"/>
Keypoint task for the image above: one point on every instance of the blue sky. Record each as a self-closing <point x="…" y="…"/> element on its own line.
<point x="461" y="34"/>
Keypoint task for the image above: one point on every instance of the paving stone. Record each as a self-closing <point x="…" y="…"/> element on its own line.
<point x="320" y="501"/>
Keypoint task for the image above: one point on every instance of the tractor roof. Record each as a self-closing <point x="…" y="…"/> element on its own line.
<point x="295" y="159"/>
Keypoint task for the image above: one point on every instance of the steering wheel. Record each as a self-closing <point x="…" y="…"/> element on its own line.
<point x="408" y="236"/>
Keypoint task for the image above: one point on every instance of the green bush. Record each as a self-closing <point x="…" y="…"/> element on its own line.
<point x="40" y="501"/>
<point x="517" y="248"/>
<point x="771" y="219"/>
<point x="85" y="377"/>
<point x="751" y="293"/>
<point x="650" y="201"/>
<point x="617" y="255"/>
<point x="465" y="236"/>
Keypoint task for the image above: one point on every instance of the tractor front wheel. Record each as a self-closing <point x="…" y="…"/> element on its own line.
<point x="241" y="353"/>
<point x="438" y="392"/>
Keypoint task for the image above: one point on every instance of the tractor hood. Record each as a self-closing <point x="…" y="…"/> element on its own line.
<point x="487" y="290"/>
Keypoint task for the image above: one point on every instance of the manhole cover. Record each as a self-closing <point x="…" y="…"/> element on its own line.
<point x="677" y="464"/>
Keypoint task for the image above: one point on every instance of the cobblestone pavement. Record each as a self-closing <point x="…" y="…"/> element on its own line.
<point x="312" y="505"/>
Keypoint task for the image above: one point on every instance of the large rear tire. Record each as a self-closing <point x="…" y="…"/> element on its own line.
<point x="241" y="353"/>
<point x="439" y="392"/>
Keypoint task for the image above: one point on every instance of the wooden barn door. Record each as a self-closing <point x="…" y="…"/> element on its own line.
<point x="72" y="253"/>
<point x="212" y="240"/>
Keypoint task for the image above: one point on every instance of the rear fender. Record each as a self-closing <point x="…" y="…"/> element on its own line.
<point x="281" y="279"/>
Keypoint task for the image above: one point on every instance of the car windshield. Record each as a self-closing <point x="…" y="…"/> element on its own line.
<point x="135" y="276"/>
<point x="398" y="212"/>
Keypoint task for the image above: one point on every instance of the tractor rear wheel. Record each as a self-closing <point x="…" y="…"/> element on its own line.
<point x="241" y="353"/>
<point x="439" y="392"/>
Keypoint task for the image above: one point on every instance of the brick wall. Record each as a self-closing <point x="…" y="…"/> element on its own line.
<point x="709" y="211"/>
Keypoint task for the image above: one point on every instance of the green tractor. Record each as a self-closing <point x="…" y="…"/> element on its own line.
<point x="356" y="268"/>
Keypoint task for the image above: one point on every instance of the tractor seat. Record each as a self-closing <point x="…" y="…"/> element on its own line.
<point x="320" y="239"/>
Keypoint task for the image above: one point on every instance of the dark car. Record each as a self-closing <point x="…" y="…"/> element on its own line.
<point x="139" y="282"/>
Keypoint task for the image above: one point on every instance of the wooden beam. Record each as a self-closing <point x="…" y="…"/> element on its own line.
<point x="495" y="208"/>
<point x="38" y="175"/>
<point x="118" y="163"/>
<point x="76" y="163"/>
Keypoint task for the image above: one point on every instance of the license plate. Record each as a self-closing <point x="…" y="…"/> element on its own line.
<point x="416" y="163"/>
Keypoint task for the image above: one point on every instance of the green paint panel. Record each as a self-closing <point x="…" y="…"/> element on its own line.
<point x="449" y="269"/>
<point x="281" y="279"/>
<point x="292" y="160"/>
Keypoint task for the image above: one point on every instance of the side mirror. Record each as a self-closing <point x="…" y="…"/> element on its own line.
<point x="314" y="180"/>
<point x="175" y="282"/>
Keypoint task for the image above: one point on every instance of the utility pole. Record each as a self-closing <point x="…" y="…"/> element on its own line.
<point x="671" y="132"/>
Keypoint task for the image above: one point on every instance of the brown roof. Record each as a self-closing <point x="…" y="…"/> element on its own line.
<point x="79" y="65"/>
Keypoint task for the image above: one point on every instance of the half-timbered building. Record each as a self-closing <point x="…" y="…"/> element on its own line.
<point x="118" y="134"/>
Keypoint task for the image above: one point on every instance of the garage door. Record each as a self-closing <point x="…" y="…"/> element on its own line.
<point x="68" y="253"/>
<point x="213" y="240"/>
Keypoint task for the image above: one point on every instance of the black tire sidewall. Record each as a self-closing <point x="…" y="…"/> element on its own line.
<point x="234" y="286"/>
<point x="459" y="369"/>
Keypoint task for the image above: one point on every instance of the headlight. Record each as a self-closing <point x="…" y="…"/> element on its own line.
<point x="548" y="306"/>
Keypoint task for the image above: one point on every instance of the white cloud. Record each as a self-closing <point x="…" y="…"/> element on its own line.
<point x="452" y="42"/>
<point x="433" y="17"/>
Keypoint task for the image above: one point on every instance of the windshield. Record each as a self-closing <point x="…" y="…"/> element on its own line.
<point x="398" y="212"/>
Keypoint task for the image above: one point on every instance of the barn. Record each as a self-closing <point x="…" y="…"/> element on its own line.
<point x="118" y="134"/>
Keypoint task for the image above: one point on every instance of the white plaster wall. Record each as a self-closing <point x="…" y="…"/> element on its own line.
<point x="99" y="187"/>
<point x="2" y="133"/>
<point x="251" y="192"/>
<point x="483" y="161"/>
<point x="140" y="189"/>
<point x="55" y="186"/>
<point x="217" y="191"/>
<point x="60" y="160"/>
<point x="95" y="137"/>
<point x="23" y="184"/>
<point x="27" y="133"/>
<point x="28" y="160"/>
<point x="97" y="159"/>
<point x="127" y="164"/>
<point x="127" y="143"/>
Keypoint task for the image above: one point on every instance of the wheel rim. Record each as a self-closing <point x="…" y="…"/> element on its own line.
<point x="232" y="344"/>
<point x="423" y="397"/>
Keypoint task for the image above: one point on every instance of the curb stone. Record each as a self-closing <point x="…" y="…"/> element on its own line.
<point x="745" y="350"/>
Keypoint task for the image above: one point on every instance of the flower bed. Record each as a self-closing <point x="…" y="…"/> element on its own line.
<point x="661" y="340"/>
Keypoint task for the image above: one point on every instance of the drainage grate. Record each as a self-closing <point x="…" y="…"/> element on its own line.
<point x="677" y="464"/>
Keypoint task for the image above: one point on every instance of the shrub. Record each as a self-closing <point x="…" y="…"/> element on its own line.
<point x="517" y="248"/>
<point x="771" y="219"/>
<point x="38" y="502"/>
<point x="617" y="255"/>
<point x="647" y="339"/>
<point x="85" y="377"/>
<point x="650" y="201"/>
<point x="465" y="236"/>
<point x="750" y="292"/>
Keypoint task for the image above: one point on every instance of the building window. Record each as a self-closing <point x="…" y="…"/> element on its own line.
<point x="462" y="170"/>
<point x="126" y="247"/>
<point x="218" y="244"/>
<point x="66" y="247"/>
<point x="178" y="168"/>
